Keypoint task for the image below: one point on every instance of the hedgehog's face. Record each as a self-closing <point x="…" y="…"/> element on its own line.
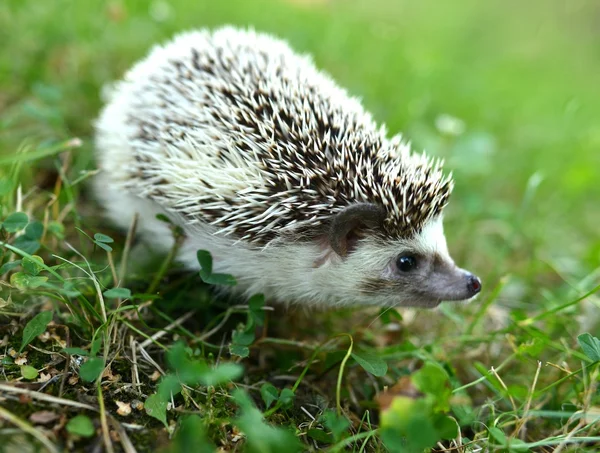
<point x="421" y="273"/>
<point x="415" y="272"/>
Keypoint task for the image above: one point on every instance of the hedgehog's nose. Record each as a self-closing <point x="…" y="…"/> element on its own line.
<point x="473" y="284"/>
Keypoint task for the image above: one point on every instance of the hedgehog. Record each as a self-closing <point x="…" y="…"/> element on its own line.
<point x="264" y="161"/>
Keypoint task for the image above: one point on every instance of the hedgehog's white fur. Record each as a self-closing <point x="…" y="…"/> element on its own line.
<point x="180" y="138"/>
<point x="286" y="272"/>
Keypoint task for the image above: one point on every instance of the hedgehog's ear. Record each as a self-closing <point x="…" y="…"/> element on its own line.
<point x="346" y="222"/>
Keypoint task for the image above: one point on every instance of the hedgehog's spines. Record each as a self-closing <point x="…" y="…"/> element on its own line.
<point x="234" y="128"/>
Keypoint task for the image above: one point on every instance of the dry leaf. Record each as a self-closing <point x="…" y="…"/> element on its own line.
<point x="404" y="387"/>
<point x="155" y="376"/>
<point x="14" y="327"/>
<point x="44" y="377"/>
<point x="60" y="424"/>
<point x="137" y="405"/>
<point x="124" y="408"/>
<point x="109" y="376"/>
<point x="73" y="380"/>
<point x="43" y="417"/>
<point x="236" y="435"/>
<point x="114" y="435"/>
<point x="62" y="343"/>
<point x="21" y="359"/>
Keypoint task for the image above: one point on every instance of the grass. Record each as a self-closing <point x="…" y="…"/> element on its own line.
<point x="97" y="351"/>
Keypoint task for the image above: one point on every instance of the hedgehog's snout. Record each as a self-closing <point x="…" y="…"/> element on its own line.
<point x="473" y="284"/>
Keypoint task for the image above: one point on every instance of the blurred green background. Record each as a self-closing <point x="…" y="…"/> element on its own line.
<point x="507" y="92"/>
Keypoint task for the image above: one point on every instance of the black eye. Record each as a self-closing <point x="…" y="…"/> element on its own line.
<point x="406" y="263"/>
